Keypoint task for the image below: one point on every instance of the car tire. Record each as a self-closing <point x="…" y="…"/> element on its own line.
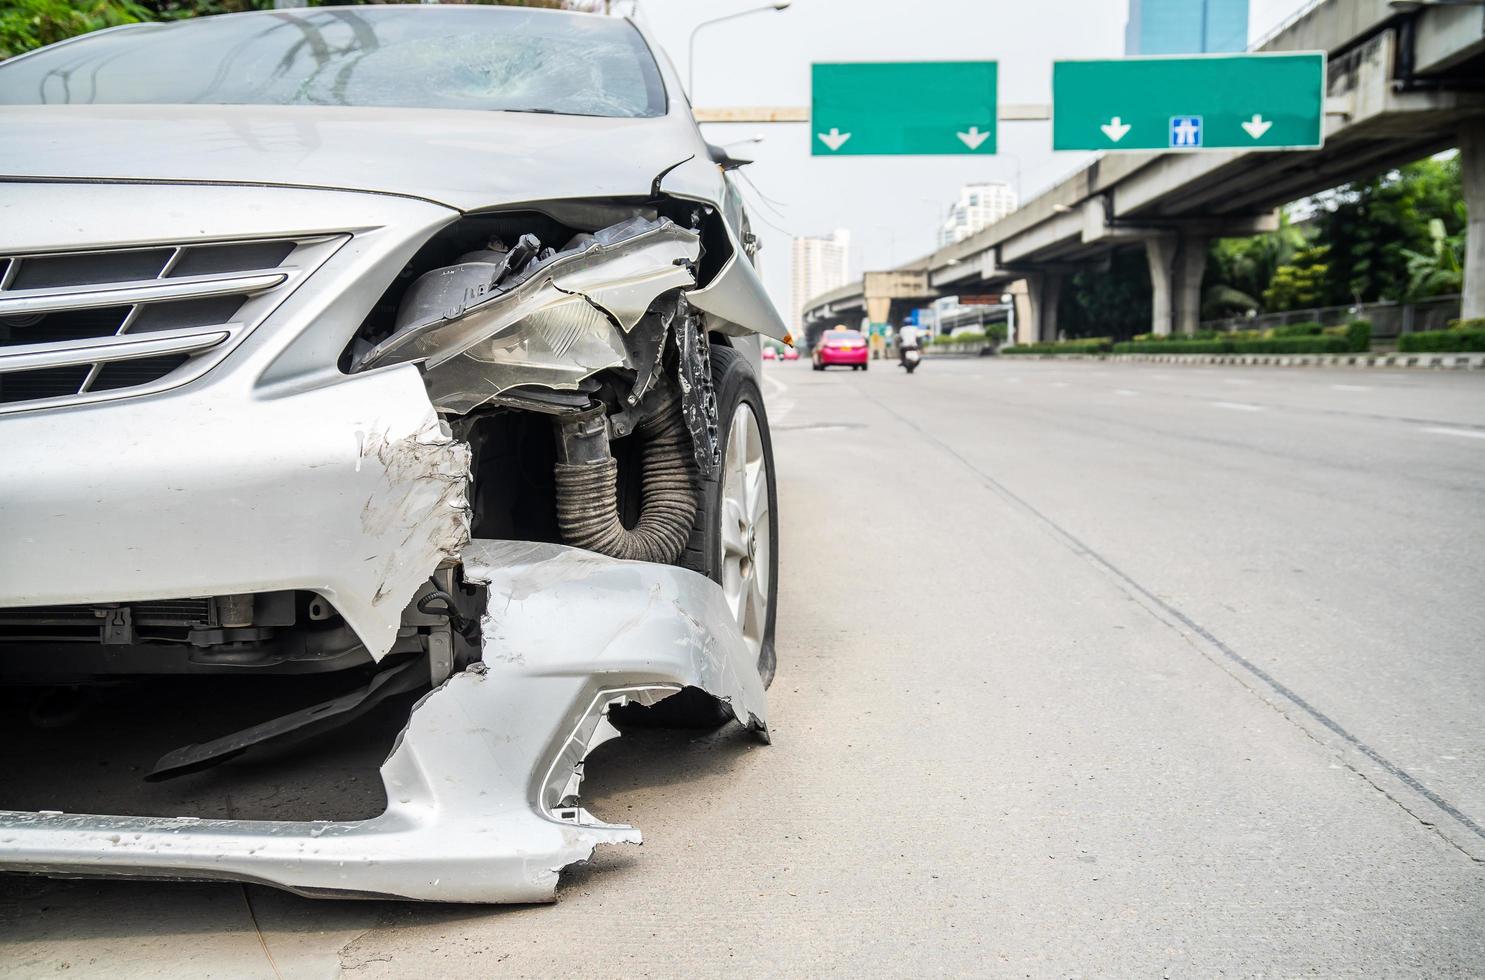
<point x="866" y="366"/>
<point x="742" y="425"/>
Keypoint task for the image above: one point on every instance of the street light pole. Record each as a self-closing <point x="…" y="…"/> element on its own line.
<point x="691" y="42"/>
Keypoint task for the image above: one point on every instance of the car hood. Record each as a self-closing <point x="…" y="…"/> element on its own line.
<point x="462" y="159"/>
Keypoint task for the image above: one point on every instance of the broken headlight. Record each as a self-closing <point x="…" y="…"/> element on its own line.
<point x="520" y="314"/>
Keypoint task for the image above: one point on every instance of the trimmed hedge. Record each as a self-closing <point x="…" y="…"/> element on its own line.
<point x="1296" y="330"/>
<point x="1463" y="336"/>
<point x="1294" y="338"/>
<point x="1264" y="345"/>
<point x="1179" y="346"/>
<point x="1083" y="345"/>
<point x="1358" y="334"/>
<point x="1293" y="345"/>
<point x="972" y="337"/>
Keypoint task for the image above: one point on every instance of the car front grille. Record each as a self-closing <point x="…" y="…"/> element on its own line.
<point x="86" y="325"/>
<point x="161" y="612"/>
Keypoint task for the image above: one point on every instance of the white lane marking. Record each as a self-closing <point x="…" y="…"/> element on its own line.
<point x="1352" y="387"/>
<point x="1443" y="431"/>
<point x="1059" y="384"/>
<point x="1125" y="391"/>
<point x="1237" y="381"/>
<point x="1238" y="406"/>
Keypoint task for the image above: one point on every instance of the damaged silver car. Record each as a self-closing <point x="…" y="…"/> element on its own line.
<point x="414" y="348"/>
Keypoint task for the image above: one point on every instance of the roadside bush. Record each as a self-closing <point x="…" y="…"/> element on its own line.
<point x="1180" y="345"/>
<point x="1354" y="336"/>
<point x="1180" y="338"/>
<point x="1083" y="345"/>
<point x="1357" y="333"/>
<point x="1296" y="330"/>
<point x="1293" y="345"/>
<point x="973" y="337"/>
<point x="1463" y="336"/>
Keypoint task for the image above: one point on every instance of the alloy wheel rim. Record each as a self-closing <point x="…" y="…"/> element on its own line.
<point x="746" y="531"/>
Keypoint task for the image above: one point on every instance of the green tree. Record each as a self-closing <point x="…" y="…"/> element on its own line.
<point x="1112" y="303"/>
<point x="1373" y="226"/>
<point x="1240" y="269"/>
<point x="1300" y="283"/>
<point x="1397" y="236"/>
<point x="1440" y="270"/>
<point x="27" y="24"/>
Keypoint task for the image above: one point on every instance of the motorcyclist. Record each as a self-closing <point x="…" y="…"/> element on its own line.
<point x="909" y="337"/>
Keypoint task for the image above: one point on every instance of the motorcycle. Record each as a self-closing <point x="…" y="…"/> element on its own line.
<point x="910" y="358"/>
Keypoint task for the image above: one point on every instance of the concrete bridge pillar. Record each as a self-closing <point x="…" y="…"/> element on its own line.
<point x="1191" y="264"/>
<point x="1036" y="308"/>
<point x="1177" y="263"/>
<point x="1160" y="253"/>
<point x="1472" y="168"/>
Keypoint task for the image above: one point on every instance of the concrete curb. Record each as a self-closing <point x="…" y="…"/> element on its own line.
<point x="1474" y="361"/>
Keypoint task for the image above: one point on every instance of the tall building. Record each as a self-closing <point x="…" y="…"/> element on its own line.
<point x="820" y="264"/>
<point x="1186" y="26"/>
<point x="978" y="205"/>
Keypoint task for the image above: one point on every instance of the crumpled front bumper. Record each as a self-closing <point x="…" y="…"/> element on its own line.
<point x="482" y="784"/>
<point x="353" y="490"/>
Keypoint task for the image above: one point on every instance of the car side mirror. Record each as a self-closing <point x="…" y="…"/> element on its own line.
<point x="725" y="160"/>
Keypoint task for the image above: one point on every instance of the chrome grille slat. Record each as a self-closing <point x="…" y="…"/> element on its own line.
<point x="33" y="357"/>
<point x="90" y="324"/>
<point x="22" y="302"/>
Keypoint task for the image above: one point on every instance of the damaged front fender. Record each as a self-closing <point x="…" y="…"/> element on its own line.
<point x="482" y="784"/>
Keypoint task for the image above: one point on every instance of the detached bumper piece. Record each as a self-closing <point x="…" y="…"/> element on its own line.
<point x="482" y="785"/>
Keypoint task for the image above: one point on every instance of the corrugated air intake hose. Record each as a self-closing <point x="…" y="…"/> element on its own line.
<point x="588" y="489"/>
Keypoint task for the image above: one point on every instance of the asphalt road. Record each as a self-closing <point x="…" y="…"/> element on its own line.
<point x="1085" y="669"/>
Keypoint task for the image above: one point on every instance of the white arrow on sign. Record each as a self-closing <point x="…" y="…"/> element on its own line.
<point x="973" y="138"/>
<point x="1257" y="126"/>
<point x="834" y="139"/>
<point x="1115" y="129"/>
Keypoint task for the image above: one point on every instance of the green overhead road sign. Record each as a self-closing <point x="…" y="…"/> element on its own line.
<point x="1211" y="102"/>
<point x="928" y="107"/>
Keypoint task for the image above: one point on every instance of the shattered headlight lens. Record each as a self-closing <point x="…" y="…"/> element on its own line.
<point x="480" y="330"/>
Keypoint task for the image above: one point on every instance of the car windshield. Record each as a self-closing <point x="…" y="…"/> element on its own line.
<point x="842" y="335"/>
<point x="500" y="58"/>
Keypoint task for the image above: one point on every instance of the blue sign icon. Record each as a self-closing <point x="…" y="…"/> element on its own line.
<point x="1185" y="131"/>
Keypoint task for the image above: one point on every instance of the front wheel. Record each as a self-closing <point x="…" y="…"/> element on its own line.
<point x="735" y="539"/>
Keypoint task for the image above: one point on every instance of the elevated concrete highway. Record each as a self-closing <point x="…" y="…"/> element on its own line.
<point x="1404" y="80"/>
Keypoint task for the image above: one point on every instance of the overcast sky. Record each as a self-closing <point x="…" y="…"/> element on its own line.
<point x="892" y="205"/>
